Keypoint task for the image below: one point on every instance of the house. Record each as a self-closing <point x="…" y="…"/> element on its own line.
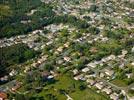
<point x="107" y="90"/>
<point x="4" y="78"/>
<point x="50" y="77"/>
<point x="13" y="72"/>
<point x="92" y="74"/>
<point x="132" y="50"/>
<point x="3" y="96"/>
<point x="93" y="65"/>
<point x="85" y="70"/>
<point x="104" y="39"/>
<point x="59" y="61"/>
<point x="129" y="75"/>
<point x="49" y="36"/>
<point x="31" y="12"/>
<point x="87" y="76"/>
<point x="36" y="48"/>
<point x="99" y="85"/>
<point x="91" y="82"/>
<point x="60" y="49"/>
<point x="111" y="57"/>
<point x="132" y="63"/>
<point x="25" y="21"/>
<point x="45" y="74"/>
<point x="102" y="75"/>
<point x="79" y="77"/>
<point x="131" y="14"/>
<point x="16" y="86"/>
<point x="130" y="97"/>
<point x="43" y="46"/>
<point x="109" y="72"/>
<point x="114" y="96"/>
<point x="122" y="65"/>
<point x="75" y="72"/>
<point x="48" y="43"/>
<point x="36" y="31"/>
<point x="90" y="41"/>
<point x="93" y="50"/>
<point x="66" y="45"/>
<point x="27" y="68"/>
<point x="124" y="52"/>
<point x="121" y="56"/>
<point x="104" y="60"/>
<point x="67" y="59"/>
<point x="56" y="52"/>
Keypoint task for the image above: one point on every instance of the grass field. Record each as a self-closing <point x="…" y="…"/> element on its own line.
<point x="5" y="11"/>
<point x="67" y="83"/>
<point x="119" y="83"/>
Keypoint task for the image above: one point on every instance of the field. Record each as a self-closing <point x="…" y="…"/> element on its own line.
<point x="5" y="11"/>
<point x="119" y="83"/>
<point x="72" y="87"/>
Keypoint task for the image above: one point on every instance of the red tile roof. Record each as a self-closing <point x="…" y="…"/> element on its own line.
<point x="3" y="95"/>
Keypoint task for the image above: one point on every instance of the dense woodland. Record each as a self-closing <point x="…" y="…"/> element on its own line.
<point x="10" y="22"/>
<point x="15" y="54"/>
<point x="12" y="12"/>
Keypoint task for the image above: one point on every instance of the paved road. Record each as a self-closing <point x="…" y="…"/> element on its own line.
<point x="8" y="85"/>
<point x="68" y="97"/>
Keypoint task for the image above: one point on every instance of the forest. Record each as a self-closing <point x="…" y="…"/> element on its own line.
<point x="10" y="22"/>
<point x="12" y="55"/>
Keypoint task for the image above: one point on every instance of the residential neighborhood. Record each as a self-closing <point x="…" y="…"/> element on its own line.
<point x="70" y="50"/>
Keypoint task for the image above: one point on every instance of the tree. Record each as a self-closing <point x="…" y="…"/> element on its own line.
<point x="51" y="97"/>
<point x="79" y="64"/>
<point x="14" y="54"/>
<point x="93" y="8"/>
<point x="48" y="66"/>
<point x="82" y="86"/>
<point x="20" y="97"/>
<point x="28" y="54"/>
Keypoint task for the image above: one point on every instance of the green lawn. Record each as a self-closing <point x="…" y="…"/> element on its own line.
<point x="119" y="83"/>
<point x="5" y="11"/>
<point x="87" y="95"/>
<point x="67" y="83"/>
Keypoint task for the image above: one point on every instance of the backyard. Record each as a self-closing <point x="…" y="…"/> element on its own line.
<point x="66" y="84"/>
